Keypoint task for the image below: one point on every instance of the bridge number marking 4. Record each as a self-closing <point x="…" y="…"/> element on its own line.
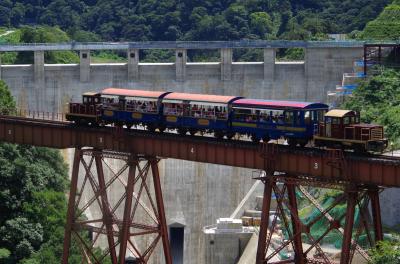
<point x="9" y="131"/>
<point x="316" y="166"/>
<point x="192" y="150"/>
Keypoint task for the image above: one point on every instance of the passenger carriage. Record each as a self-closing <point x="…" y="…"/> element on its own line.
<point x="132" y="107"/>
<point x="269" y="119"/>
<point x="197" y="113"/>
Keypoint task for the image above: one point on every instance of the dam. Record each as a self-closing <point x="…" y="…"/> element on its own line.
<point x="195" y="194"/>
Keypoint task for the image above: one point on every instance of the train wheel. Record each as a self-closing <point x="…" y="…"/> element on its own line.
<point x="230" y="135"/>
<point x="161" y="128"/>
<point x="192" y="132"/>
<point x="303" y="143"/>
<point x="182" y="131"/>
<point x="219" y="134"/>
<point x="266" y="139"/>
<point x="151" y="128"/>
<point x="255" y="138"/>
<point x="292" y="142"/>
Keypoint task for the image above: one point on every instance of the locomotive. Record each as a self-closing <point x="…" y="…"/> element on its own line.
<point x="300" y="123"/>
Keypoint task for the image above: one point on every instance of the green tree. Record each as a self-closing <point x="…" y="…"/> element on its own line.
<point x="386" y="252"/>
<point x="46" y="35"/>
<point x="260" y="23"/>
<point x="378" y="100"/>
<point x="32" y="201"/>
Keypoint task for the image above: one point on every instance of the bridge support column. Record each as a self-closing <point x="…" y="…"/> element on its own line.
<point x="38" y="66"/>
<point x="296" y="225"/>
<point x="137" y="230"/>
<point x="266" y="206"/>
<point x="39" y="79"/>
<point x="84" y="65"/>
<point x="180" y="64"/>
<point x="226" y="64"/>
<point x="376" y="214"/>
<point x="283" y="230"/>
<point x="133" y="64"/>
<point x="269" y="64"/>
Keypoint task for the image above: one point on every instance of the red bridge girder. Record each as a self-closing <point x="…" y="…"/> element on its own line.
<point x="308" y="164"/>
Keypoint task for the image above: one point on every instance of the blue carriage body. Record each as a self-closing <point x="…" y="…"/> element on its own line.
<point x="128" y="112"/>
<point x="197" y="111"/>
<point x="276" y="119"/>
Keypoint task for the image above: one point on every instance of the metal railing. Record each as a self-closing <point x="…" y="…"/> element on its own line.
<point x="38" y="115"/>
<point x="178" y="45"/>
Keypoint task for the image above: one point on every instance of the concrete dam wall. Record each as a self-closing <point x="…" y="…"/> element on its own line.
<point x="195" y="194"/>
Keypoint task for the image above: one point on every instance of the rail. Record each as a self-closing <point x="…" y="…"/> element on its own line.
<point x="31" y="114"/>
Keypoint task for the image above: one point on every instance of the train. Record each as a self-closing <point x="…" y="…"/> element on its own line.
<point x="299" y="123"/>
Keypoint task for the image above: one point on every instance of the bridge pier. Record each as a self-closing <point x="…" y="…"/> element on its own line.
<point x="141" y="226"/>
<point x="84" y="65"/>
<point x="269" y="64"/>
<point x="226" y="64"/>
<point x="180" y="64"/>
<point x="133" y="64"/>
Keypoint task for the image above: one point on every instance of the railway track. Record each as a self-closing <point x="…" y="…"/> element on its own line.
<point x="43" y="120"/>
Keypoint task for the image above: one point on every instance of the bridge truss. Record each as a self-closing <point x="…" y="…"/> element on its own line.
<point x="143" y="226"/>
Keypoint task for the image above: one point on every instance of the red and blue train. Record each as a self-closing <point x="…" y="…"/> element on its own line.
<point x="299" y="123"/>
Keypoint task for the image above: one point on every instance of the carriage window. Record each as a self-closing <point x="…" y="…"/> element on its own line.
<point x="246" y="115"/>
<point x="357" y="120"/>
<point x="335" y="121"/>
<point x="289" y="117"/>
<point x="321" y="114"/>
<point x="346" y="120"/>
<point x="85" y="100"/>
<point x="328" y="120"/>
<point x="307" y="117"/>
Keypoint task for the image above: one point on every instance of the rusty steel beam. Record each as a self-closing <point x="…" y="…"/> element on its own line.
<point x="296" y="225"/>
<point x="107" y="215"/>
<point x="125" y="230"/>
<point x="71" y="206"/>
<point x="161" y="211"/>
<point x="298" y="162"/>
<point x="262" y="237"/>
<point x="376" y="214"/>
<point x="345" y="256"/>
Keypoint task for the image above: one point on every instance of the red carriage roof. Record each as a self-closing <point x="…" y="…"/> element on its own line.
<point x="133" y="93"/>
<point x="277" y="104"/>
<point x="200" y="97"/>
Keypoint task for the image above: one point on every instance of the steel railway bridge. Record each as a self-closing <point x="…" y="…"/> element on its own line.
<point x="360" y="177"/>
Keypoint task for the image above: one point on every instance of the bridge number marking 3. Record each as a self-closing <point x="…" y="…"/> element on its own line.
<point x="192" y="150"/>
<point x="316" y="166"/>
<point x="100" y="139"/>
<point x="9" y="131"/>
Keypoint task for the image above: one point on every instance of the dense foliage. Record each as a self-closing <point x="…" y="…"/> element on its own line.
<point x="386" y="26"/>
<point x="192" y="20"/>
<point x="32" y="200"/>
<point x="378" y="99"/>
<point x="387" y="252"/>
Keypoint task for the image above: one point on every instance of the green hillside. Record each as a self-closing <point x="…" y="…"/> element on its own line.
<point x="386" y="26"/>
<point x="139" y="20"/>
